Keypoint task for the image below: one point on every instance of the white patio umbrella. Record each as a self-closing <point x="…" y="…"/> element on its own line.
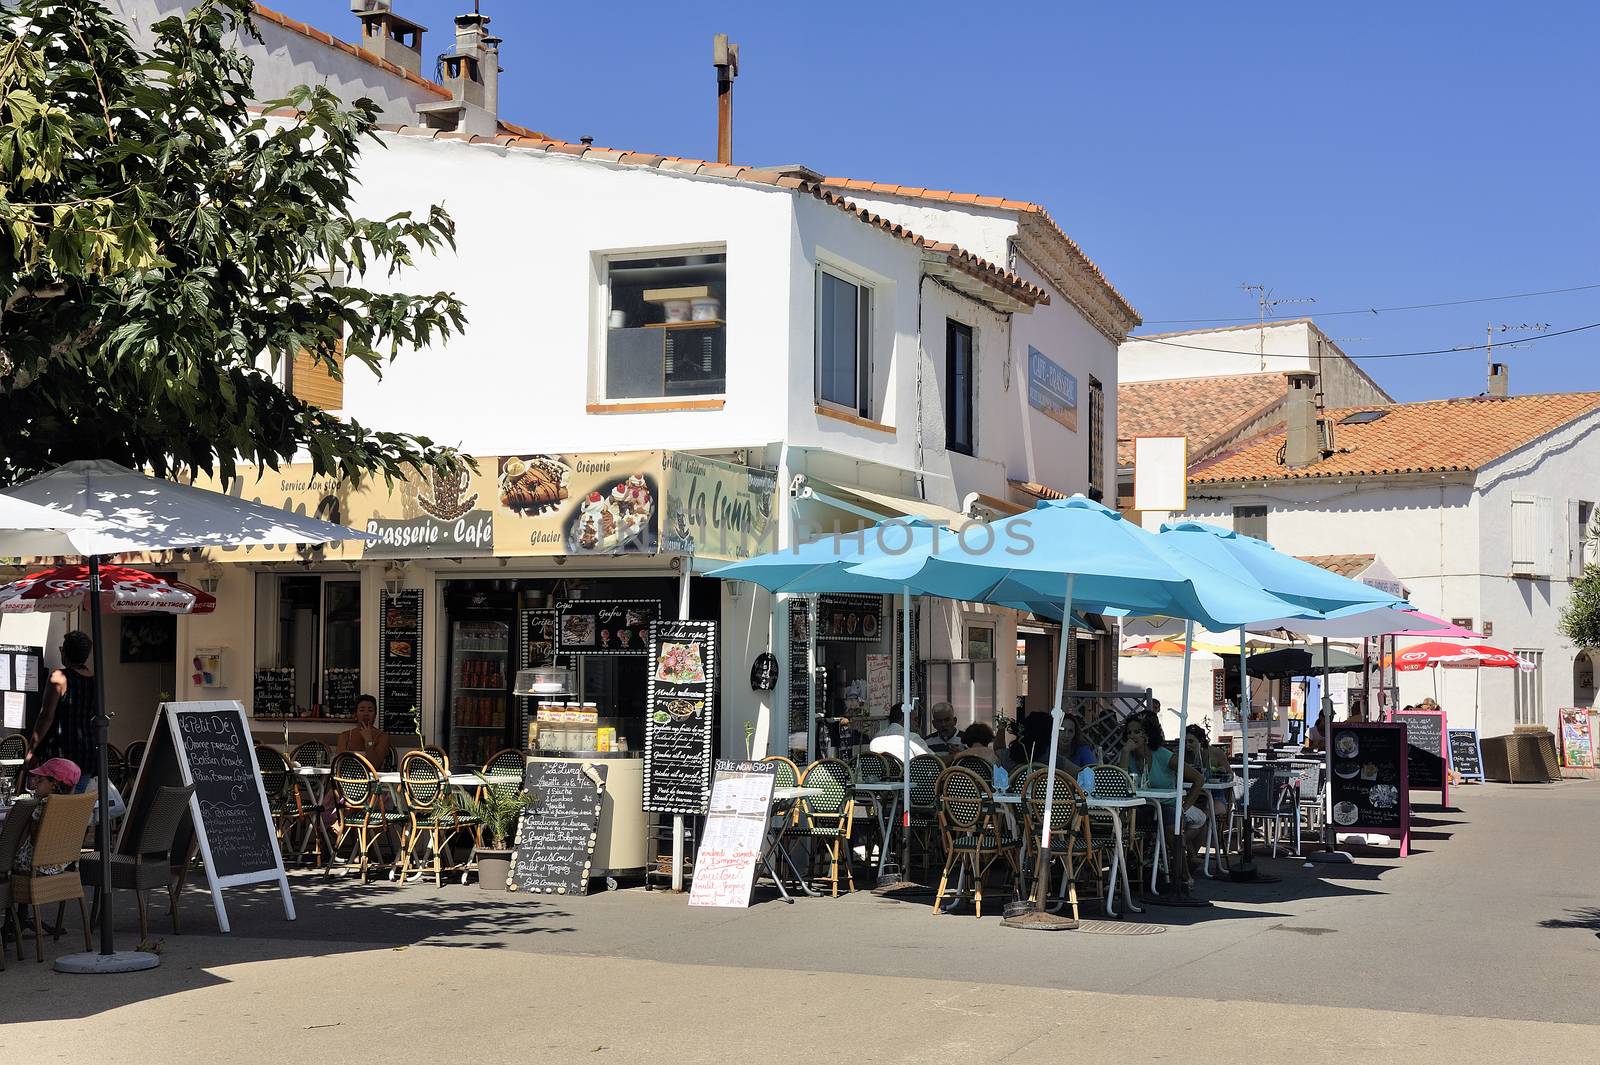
<point x="98" y="508"/>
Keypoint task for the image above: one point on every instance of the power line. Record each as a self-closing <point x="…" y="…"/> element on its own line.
<point x="1386" y="310"/>
<point x="1388" y="355"/>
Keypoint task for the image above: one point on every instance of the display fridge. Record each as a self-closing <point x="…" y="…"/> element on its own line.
<point x="477" y="720"/>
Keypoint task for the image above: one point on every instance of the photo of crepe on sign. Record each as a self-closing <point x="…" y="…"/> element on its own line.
<point x="680" y="663"/>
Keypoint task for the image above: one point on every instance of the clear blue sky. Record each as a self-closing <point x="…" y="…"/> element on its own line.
<point x="1365" y="155"/>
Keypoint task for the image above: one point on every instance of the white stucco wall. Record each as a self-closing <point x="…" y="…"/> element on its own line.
<point x="1285" y="346"/>
<point x="285" y="59"/>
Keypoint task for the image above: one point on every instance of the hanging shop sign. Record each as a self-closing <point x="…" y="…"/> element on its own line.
<point x="605" y="626"/>
<point x="718" y="510"/>
<point x="764" y="672"/>
<point x="1052" y="390"/>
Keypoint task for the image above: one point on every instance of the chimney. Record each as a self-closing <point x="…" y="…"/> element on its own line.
<point x="1499" y="380"/>
<point x="388" y="36"/>
<point x="1304" y="444"/>
<point x="471" y="71"/>
<point x="725" y="57"/>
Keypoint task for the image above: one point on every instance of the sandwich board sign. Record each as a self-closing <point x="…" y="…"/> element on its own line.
<point x="208" y="744"/>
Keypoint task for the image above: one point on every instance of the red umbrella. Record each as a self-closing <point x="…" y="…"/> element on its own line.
<point x="123" y="590"/>
<point x="1455" y="655"/>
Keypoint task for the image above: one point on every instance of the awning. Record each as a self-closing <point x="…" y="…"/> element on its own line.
<point x="876" y="506"/>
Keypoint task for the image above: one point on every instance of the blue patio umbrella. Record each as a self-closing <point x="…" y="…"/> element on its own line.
<point x="1087" y="555"/>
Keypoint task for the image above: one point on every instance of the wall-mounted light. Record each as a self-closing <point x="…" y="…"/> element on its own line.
<point x="210" y="578"/>
<point x="394" y="578"/>
<point x="735" y="590"/>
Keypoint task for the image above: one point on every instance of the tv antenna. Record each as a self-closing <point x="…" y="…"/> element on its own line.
<point x="1267" y="303"/>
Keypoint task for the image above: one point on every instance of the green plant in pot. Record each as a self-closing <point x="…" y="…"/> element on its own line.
<point x="498" y="810"/>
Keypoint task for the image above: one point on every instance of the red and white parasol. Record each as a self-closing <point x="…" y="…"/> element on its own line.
<point x="123" y="590"/>
<point x="1456" y="656"/>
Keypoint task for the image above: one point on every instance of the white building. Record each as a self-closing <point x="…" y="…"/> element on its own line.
<point x="902" y="355"/>
<point x="1482" y="508"/>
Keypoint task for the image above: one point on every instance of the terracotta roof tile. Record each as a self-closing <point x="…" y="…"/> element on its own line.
<point x="1200" y="408"/>
<point x="1439" y="436"/>
<point x="1343" y="565"/>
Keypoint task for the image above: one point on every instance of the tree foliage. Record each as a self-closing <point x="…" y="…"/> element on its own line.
<point x="164" y="248"/>
<point x="1580" y="618"/>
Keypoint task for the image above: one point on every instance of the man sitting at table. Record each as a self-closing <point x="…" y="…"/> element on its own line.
<point x="892" y="740"/>
<point x="945" y="741"/>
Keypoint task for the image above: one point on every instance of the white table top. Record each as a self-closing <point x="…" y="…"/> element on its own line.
<point x="1219" y="785"/>
<point x="1165" y="794"/>
<point x="790" y="794"/>
<point x="1005" y="798"/>
<point x="1114" y="804"/>
<point x="460" y="780"/>
<point x="11" y="763"/>
<point x="881" y="785"/>
<point x="313" y="771"/>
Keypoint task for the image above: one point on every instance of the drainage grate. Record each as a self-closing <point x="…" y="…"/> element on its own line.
<point x="1119" y="928"/>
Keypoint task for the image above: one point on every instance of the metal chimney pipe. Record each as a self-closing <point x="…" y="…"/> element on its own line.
<point x="725" y="57"/>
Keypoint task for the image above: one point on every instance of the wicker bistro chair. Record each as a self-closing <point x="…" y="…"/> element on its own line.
<point x="1018" y="780"/>
<point x="57" y="842"/>
<point x="827" y="818"/>
<point x="150" y="866"/>
<point x="361" y="812"/>
<point x="311" y="753"/>
<point x="974" y="839"/>
<point x="1310" y="811"/>
<point x="1072" y="840"/>
<point x="12" y="747"/>
<point x="434" y="814"/>
<point x="925" y="772"/>
<point x="116" y="767"/>
<point x="504" y="771"/>
<point x="870" y="768"/>
<point x="981" y="766"/>
<point x="1115" y="782"/>
<point x="438" y="754"/>
<point x="275" y="782"/>
<point x="787" y="776"/>
<point x="1271" y="801"/>
<point x="10" y="835"/>
<point x="133" y="757"/>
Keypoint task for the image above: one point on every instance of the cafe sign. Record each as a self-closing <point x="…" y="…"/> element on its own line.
<point x="718" y="510"/>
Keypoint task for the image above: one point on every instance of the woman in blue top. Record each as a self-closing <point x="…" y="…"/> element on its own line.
<point x="1072" y="752"/>
<point x="1154" y="767"/>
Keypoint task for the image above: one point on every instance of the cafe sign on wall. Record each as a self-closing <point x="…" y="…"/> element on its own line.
<point x="718" y="510"/>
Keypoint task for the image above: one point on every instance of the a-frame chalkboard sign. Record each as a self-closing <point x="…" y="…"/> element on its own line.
<point x="208" y="744"/>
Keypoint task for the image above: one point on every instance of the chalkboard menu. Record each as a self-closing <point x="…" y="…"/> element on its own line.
<point x="1425" y="733"/>
<point x="557" y="830"/>
<point x="339" y="690"/>
<point x="1369" y="785"/>
<point x="218" y="751"/>
<point x="605" y="626"/>
<point x="274" y="692"/>
<point x="1466" y="759"/>
<point x="680" y="709"/>
<point x="400" y="662"/>
<point x="736" y="829"/>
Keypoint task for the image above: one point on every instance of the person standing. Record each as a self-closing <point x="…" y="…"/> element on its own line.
<point x="66" y="724"/>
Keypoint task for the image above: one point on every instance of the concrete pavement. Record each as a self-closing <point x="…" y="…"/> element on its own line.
<point x="1481" y="945"/>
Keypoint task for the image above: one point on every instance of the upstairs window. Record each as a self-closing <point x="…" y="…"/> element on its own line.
<point x="1097" y="440"/>
<point x="844" y="349"/>
<point x="1250" y="521"/>
<point x="958" y="387"/>
<point x="666" y="328"/>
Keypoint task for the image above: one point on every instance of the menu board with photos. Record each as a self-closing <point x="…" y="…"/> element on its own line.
<point x="1466" y="757"/>
<point x="1577" y="738"/>
<point x="557" y="830"/>
<point x="1370" y="783"/>
<point x="400" y="662"/>
<point x="605" y="626"/>
<point x="1428" y="756"/>
<point x="850" y="617"/>
<point x="735" y="830"/>
<point x="273" y="692"/>
<point x="536" y="651"/>
<point x="340" y="686"/>
<point x="680" y="710"/>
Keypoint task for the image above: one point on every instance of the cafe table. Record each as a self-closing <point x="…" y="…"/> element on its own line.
<point x="1119" y="861"/>
<point x="775" y="824"/>
<point x="885" y="796"/>
<point x="1218" y="790"/>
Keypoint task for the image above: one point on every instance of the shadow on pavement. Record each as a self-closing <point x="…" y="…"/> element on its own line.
<point x="1586" y="918"/>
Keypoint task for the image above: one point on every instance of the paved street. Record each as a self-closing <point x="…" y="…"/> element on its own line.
<point x="1480" y="947"/>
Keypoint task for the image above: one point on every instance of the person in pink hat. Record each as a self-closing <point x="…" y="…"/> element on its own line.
<point x="54" y="776"/>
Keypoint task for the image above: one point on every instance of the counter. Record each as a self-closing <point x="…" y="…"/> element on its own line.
<point x="619" y="849"/>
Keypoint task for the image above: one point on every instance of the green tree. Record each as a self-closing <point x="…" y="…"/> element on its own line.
<point x="1580" y="618"/>
<point x="164" y="248"/>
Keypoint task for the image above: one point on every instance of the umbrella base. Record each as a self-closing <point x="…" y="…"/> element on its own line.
<point x="1330" y="857"/>
<point x="122" y="961"/>
<point x="1038" y="920"/>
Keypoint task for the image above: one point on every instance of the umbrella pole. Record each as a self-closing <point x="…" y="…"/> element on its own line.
<point x="1178" y="886"/>
<point x="1246" y="869"/>
<point x="107" y="960"/>
<point x="900" y="879"/>
<point x="1325" y="710"/>
<point x="1038" y="917"/>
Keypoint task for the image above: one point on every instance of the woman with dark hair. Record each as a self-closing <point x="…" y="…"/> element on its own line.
<point x="1072" y="751"/>
<point x="65" y="727"/>
<point x="1154" y="768"/>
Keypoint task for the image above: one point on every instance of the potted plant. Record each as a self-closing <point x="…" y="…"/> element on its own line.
<point x="498" y="810"/>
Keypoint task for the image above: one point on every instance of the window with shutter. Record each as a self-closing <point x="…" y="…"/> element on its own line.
<point x="1097" y="440"/>
<point x="312" y="382"/>
<point x="1580" y="513"/>
<point x="1523" y="535"/>
<point x="1544" y="545"/>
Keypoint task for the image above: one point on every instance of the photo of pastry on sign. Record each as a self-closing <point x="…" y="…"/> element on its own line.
<point x="533" y="484"/>
<point x="615" y="517"/>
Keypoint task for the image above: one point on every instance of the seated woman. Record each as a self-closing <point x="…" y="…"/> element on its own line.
<point x="1072" y="751"/>
<point x="55" y="776"/>
<point x="1154" y="767"/>
<point x="366" y="739"/>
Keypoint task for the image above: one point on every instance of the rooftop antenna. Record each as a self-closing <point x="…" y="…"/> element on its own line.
<point x="1267" y="303"/>
<point x="1520" y="327"/>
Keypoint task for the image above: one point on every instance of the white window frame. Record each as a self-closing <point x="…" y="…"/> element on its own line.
<point x="1580" y="517"/>
<point x="1528" y="696"/>
<point x="1533" y="536"/>
<point x="967" y="629"/>
<point x="267" y="642"/>
<point x="866" y="297"/>
<point x="601" y="285"/>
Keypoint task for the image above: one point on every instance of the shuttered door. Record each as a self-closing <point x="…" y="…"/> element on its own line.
<point x="310" y="380"/>
<point x="1524" y="534"/>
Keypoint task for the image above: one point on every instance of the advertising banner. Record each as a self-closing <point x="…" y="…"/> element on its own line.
<point x="718" y="510"/>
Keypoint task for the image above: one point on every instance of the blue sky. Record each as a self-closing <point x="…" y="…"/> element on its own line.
<point x="1365" y="155"/>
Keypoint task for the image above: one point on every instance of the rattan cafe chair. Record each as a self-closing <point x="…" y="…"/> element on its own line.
<point x="973" y="838"/>
<point x="58" y="841"/>
<point x="150" y="866"/>
<point x="435" y="815"/>
<point x="827" y="818"/>
<point x="11" y="830"/>
<point x="361" y="812"/>
<point x="1072" y="840"/>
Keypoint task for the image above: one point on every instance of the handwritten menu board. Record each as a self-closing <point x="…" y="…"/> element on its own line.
<point x="680" y="707"/>
<point x="1369" y="785"/>
<point x="735" y="829"/>
<point x="218" y="750"/>
<point x="880" y="684"/>
<point x="339" y="690"/>
<point x="605" y="626"/>
<point x="1577" y="739"/>
<point x="273" y="692"/>
<point x="1466" y="758"/>
<point x="400" y="662"/>
<point x="1425" y="732"/>
<point x="557" y="830"/>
